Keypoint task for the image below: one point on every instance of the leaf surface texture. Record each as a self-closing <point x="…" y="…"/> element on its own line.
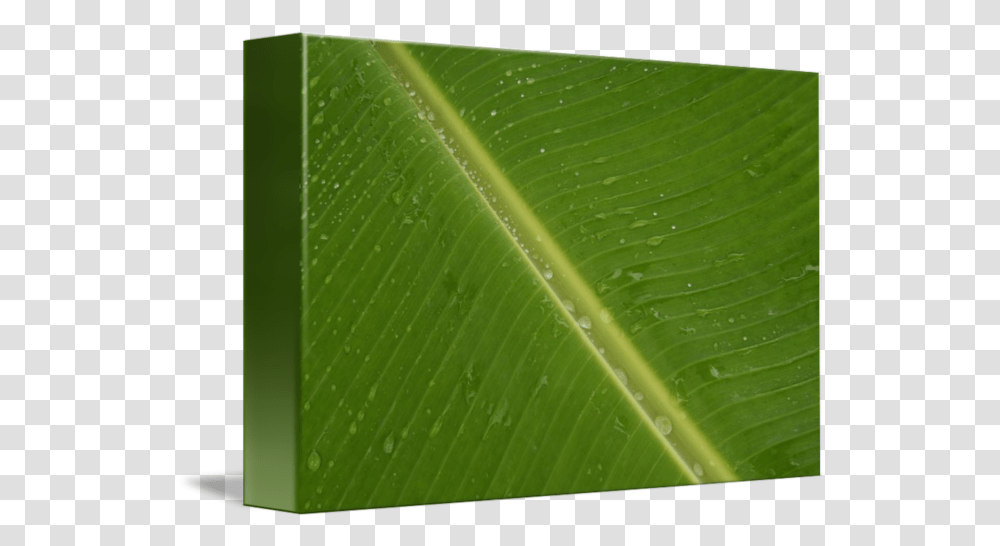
<point x="529" y="274"/>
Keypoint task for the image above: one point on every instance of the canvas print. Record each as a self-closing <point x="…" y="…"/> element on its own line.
<point x="475" y="274"/>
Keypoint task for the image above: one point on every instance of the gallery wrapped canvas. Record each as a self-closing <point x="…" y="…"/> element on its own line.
<point x="475" y="274"/>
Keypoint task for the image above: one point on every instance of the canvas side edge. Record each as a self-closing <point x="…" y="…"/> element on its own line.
<point x="273" y="110"/>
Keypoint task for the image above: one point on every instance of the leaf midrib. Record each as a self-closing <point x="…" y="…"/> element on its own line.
<point x="688" y="445"/>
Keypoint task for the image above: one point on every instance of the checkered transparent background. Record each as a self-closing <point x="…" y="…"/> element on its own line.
<point x="121" y="270"/>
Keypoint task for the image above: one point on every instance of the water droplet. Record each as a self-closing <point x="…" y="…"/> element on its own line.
<point x="371" y="392"/>
<point x="493" y="112"/>
<point x="436" y="428"/>
<point x="605" y="316"/>
<point x="570" y="306"/>
<point x="542" y="150"/>
<point x="547" y="273"/>
<point x="664" y="425"/>
<point x="714" y="371"/>
<point x="314" y="461"/>
<point x="585" y="323"/>
<point x="639" y="396"/>
<point x="621" y="376"/>
<point x="378" y="248"/>
<point x="387" y="101"/>
<point x="698" y="470"/>
<point x="655" y="241"/>
<point x="389" y="443"/>
<point x="354" y="428"/>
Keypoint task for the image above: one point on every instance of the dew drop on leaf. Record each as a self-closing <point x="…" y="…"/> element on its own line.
<point x="389" y="443"/>
<point x="314" y="461"/>
<point x="547" y="273"/>
<point x="585" y="323"/>
<point x="664" y="425"/>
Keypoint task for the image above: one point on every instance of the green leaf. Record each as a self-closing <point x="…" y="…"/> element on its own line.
<point x="529" y="274"/>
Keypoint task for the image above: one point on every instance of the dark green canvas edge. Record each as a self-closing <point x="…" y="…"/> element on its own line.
<point x="272" y="159"/>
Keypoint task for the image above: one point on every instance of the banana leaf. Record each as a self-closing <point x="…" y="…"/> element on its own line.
<point x="475" y="274"/>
